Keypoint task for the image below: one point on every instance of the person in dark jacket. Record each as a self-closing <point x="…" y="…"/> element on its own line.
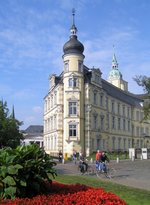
<point x="60" y="156"/>
<point x="104" y="159"/>
<point x="82" y="163"/>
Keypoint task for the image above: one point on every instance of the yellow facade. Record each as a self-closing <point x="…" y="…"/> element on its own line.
<point x="83" y="112"/>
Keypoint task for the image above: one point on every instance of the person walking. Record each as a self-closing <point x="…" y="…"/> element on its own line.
<point x="75" y="157"/>
<point x="60" y="156"/>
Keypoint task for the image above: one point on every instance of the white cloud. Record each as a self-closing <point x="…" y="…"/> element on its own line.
<point x="37" y="109"/>
<point x="23" y="94"/>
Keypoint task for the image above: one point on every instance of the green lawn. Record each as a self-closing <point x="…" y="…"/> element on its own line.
<point x="132" y="196"/>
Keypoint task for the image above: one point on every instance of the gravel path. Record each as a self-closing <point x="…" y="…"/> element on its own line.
<point x="131" y="173"/>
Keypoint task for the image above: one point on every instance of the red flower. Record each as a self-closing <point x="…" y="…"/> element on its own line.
<point x="62" y="194"/>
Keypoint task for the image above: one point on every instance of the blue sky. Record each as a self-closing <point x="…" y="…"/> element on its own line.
<point x="32" y="35"/>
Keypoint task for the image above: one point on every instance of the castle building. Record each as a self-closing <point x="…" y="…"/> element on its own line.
<point x="84" y="112"/>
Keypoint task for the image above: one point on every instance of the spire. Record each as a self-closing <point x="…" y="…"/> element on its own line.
<point x="13" y="113"/>
<point x="114" y="60"/>
<point x="114" y="73"/>
<point x="73" y="29"/>
<point x="73" y="45"/>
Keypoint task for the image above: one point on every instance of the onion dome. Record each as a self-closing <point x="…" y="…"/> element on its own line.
<point x="73" y="45"/>
<point x="115" y="73"/>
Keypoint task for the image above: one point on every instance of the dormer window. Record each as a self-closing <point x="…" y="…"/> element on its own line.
<point x="97" y="78"/>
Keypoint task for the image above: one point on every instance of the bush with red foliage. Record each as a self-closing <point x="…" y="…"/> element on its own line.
<point x="68" y="195"/>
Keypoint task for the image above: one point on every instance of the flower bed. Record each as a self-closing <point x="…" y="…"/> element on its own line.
<point x="70" y="194"/>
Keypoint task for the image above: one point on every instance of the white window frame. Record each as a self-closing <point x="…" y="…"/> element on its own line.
<point x="73" y="81"/>
<point x="72" y="130"/>
<point x="72" y="108"/>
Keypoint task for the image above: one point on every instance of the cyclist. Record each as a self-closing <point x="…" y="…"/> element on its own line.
<point x="104" y="159"/>
<point x="98" y="159"/>
<point x="82" y="164"/>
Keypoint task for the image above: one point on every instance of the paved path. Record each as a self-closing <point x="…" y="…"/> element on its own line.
<point x="131" y="173"/>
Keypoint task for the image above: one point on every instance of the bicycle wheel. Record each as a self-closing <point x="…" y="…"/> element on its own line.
<point x="99" y="173"/>
<point x="90" y="170"/>
<point x="110" y="172"/>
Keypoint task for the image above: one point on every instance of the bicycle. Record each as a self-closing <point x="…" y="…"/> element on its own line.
<point x="108" y="171"/>
<point x="83" y="170"/>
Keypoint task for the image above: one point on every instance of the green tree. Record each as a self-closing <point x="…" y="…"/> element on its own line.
<point x="144" y="81"/>
<point x="9" y="128"/>
<point x="25" y="171"/>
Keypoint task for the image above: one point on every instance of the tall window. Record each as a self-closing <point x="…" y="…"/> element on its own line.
<point x="147" y="131"/>
<point x="112" y="107"/>
<point x="55" y="142"/>
<point x="95" y="98"/>
<point x="107" y="102"/>
<point x="95" y="121"/>
<point x="51" y="100"/>
<point x="66" y="66"/>
<point x="118" y="108"/>
<point x="128" y="125"/>
<point x="101" y="100"/>
<point x="55" y="98"/>
<point x="72" y="130"/>
<point x="124" y="143"/>
<point x="128" y="112"/>
<point x="129" y="143"/>
<point x="108" y="121"/>
<point x="138" y="144"/>
<point x="72" y="108"/>
<point x="119" y="143"/>
<point x="123" y="110"/>
<point x="73" y="82"/>
<point x="98" y="144"/>
<point x="141" y="115"/>
<point x="124" y="124"/>
<point x="119" y="124"/>
<point x="137" y="131"/>
<point x="55" y="122"/>
<point x="102" y="122"/>
<point x="113" y="122"/>
<point x="80" y="66"/>
<point x="137" y="115"/>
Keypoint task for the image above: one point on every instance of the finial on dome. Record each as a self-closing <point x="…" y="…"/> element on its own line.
<point x="73" y="14"/>
<point x="73" y="45"/>
<point x="73" y="29"/>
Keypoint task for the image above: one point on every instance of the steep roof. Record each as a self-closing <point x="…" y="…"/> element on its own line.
<point x="124" y="96"/>
<point x="34" y="129"/>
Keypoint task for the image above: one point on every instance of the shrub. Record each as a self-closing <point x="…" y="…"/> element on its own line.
<point x="24" y="170"/>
